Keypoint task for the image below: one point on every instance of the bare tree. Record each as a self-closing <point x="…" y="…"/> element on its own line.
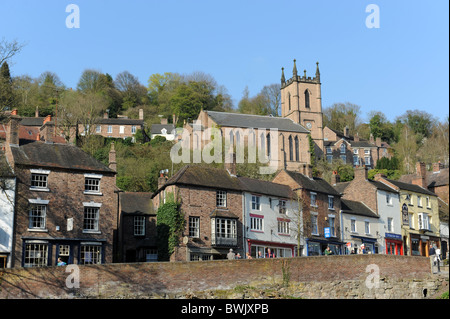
<point x="9" y="49"/>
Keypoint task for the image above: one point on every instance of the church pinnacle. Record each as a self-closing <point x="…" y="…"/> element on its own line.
<point x="294" y="71"/>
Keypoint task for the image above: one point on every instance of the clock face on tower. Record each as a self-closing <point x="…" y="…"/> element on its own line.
<point x="309" y="125"/>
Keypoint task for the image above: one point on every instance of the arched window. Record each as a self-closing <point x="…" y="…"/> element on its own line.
<point x="268" y="144"/>
<point x="297" y="149"/>
<point x="291" y="149"/>
<point x="263" y="143"/>
<point x="238" y="139"/>
<point x="231" y="137"/>
<point x="307" y="99"/>
<point x="343" y="148"/>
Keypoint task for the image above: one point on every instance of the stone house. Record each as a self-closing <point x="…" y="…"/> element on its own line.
<point x="66" y="205"/>
<point x="211" y="202"/>
<point x="419" y="211"/>
<point x="137" y="228"/>
<point x="321" y="205"/>
<point x="384" y="201"/>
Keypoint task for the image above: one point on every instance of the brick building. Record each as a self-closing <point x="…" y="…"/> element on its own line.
<point x="321" y="205"/>
<point x="211" y="202"/>
<point x="137" y="228"/>
<point x="66" y="204"/>
<point x="353" y="150"/>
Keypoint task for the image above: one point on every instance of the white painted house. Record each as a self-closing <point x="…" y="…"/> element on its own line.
<point x="272" y="220"/>
<point x="359" y="227"/>
<point x="7" y="200"/>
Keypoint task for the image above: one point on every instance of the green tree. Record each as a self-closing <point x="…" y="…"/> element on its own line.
<point x="340" y="115"/>
<point x="6" y="88"/>
<point x="381" y="127"/>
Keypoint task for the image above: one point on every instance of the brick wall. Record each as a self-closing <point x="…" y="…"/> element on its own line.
<point x="150" y="279"/>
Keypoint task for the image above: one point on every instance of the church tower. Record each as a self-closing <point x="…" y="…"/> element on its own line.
<point x="301" y="101"/>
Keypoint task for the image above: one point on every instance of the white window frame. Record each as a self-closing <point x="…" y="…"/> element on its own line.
<point x="139" y="225"/>
<point x="98" y="129"/>
<point x="121" y="129"/>
<point x="194" y="226"/>
<point x="313" y="198"/>
<point x="367" y="227"/>
<point x="256" y="223"/>
<point x="284" y="226"/>
<point x="36" y="174"/>
<point x="221" y="198"/>
<point x="37" y="214"/>
<point x="390" y="224"/>
<point x="331" y="202"/>
<point x="282" y="206"/>
<point x="353" y="225"/>
<point x="424" y="221"/>
<point x="89" y="182"/>
<point x="343" y="148"/>
<point x="93" y="221"/>
<point x="133" y="129"/>
<point x="419" y="201"/>
<point x="110" y="129"/>
<point x="314" y="224"/>
<point x="256" y="202"/>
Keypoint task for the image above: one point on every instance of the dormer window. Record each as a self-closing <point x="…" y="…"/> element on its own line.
<point x="343" y="148"/>
<point x="164" y="131"/>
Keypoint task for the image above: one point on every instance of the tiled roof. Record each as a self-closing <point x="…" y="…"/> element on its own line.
<point x="356" y="208"/>
<point x="136" y="203"/>
<point x="315" y="184"/>
<point x="53" y="155"/>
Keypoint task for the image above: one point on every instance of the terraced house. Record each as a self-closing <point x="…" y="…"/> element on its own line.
<point x="419" y="209"/>
<point x="66" y="204"/>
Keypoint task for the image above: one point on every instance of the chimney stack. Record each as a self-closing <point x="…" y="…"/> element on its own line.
<point x="437" y="167"/>
<point x="335" y="178"/>
<point x="421" y="175"/>
<point x="47" y="131"/>
<point x="141" y="114"/>
<point x="36" y="113"/>
<point x="162" y="179"/>
<point x="112" y="158"/>
<point x="378" y="141"/>
<point x="361" y="173"/>
<point x="346" y="131"/>
<point x="12" y="131"/>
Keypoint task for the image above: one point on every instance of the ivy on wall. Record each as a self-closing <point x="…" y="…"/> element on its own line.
<point x="169" y="226"/>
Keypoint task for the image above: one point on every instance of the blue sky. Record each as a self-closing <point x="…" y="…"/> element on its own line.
<point x="402" y="65"/>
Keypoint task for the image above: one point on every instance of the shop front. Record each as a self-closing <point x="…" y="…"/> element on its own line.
<point x="316" y="247"/>
<point x="420" y="244"/>
<point x="261" y="249"/>
<point x="361" y="245"/>
<point x="394" y="244"/>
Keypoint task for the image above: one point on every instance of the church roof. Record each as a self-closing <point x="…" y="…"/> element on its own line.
<point x="256" y="121"/>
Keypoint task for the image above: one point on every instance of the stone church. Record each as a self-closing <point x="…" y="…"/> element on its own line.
<point x="301" y="115"/>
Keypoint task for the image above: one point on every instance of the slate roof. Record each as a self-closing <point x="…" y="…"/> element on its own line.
<point x="256" y="121"/>
<point x="65" y="156"/>
<point x="340" y="187"/>
<point x="258" y="186"/>
<point x="137" y="203"/>
<point x="315" y="184"/>
<point x="411" y="187"/>
<point x="356" y="208"/>
<point x="120" y="121"/>
<point x="156" y="128"/>
<point x="203" y="176"/>
<point x="217" y="178"/>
